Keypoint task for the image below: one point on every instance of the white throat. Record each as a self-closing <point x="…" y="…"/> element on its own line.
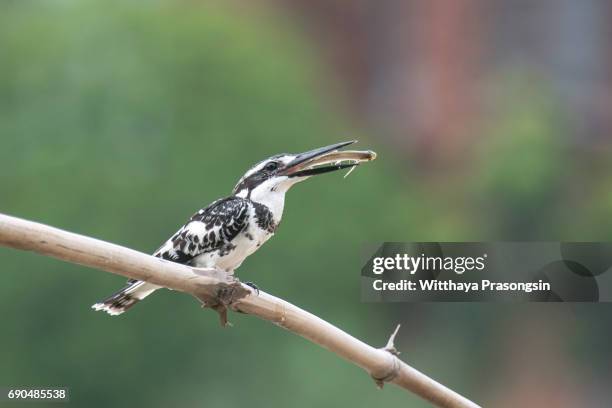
<point x="271" y="193"/>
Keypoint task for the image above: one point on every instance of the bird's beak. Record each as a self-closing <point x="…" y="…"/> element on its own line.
<point x="326" y="159"/>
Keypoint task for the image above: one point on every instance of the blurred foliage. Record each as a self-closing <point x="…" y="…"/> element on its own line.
<point x="119" y="120"/>
<point x="521" y="168"/>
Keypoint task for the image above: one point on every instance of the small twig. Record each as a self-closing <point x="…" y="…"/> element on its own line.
<point x="395" y="366"/>
<point x="390" y="347"/>
<point x="207" y="285"/>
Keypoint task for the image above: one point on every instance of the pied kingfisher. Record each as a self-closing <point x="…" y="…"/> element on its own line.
<point x="223" y="234"/>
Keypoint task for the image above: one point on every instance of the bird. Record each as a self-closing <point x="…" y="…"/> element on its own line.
<point x="223" y="234"/>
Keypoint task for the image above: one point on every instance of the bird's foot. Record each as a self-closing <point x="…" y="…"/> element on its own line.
<point x="223" y="298"/>
<point x="252" y="286"/>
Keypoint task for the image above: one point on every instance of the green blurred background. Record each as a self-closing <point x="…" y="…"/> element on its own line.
<point x="118" y="120"/>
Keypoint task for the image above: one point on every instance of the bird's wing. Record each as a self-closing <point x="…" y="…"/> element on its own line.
<point x="207" y="230"/>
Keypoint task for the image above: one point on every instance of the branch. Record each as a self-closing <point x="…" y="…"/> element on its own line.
<point x="221" y="291"/>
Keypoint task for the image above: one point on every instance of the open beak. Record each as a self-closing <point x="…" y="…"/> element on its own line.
<point x="326" y="159"/>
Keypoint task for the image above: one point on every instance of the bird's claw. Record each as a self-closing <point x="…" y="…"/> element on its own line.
<point x="253" y="286"/>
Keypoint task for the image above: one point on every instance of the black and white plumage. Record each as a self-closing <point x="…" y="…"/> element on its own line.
<point x="230" y="229"/>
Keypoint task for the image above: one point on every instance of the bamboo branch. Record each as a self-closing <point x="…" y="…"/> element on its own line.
<point x="221" y="291"/>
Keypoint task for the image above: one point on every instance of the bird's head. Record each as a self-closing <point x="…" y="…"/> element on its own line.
<point x="276" y="174"/>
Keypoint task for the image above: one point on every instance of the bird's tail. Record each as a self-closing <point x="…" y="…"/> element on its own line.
<point x="127" y="297"/>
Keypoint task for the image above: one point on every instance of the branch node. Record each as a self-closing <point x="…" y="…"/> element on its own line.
<point x="396" y="365"/>
<point x="225" y="295"/>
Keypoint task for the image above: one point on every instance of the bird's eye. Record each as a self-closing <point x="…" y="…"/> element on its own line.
<point x="271" y="166"/>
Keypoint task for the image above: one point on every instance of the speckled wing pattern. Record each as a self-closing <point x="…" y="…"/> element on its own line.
<point x="210" y="229"/>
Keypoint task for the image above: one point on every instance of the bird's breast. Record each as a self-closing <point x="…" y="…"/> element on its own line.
<point x="258" y="230"/>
